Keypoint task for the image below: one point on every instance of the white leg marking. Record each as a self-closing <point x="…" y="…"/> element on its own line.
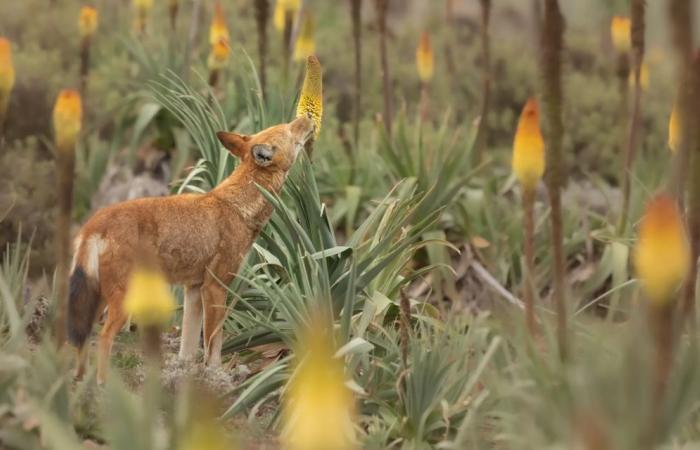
<point x="214" y="354"/>
<point x="191" y="323"/>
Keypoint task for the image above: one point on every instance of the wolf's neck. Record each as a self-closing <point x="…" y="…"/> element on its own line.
<point x="241" y="194"/>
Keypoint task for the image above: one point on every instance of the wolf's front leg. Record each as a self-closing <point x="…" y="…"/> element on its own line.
<point x="191" y="322"/>
<point x="214" y="300"/>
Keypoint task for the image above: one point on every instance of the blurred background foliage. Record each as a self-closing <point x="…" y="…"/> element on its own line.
<point x="409" y="211"/>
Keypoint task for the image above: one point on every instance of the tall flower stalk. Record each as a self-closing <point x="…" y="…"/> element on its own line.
<point x="173" y="10"/>
<point x="662" y="260"/>
<point x="87" y="25"/>
<point x="693" y="204"/>
<point x="67" y="122"/>
<point x="142" y="9"/>
<point x="219" y="40"/>
<point x="426" y="66"/>
<point x="528" y="165"/>
<point x="637" y="43"/>
<point x="285" y="12"/>
<point x="552" y="37"/>
<point x="7" y="82"/>
<point x="485" y="78"/>
<point x="449" y="40"/>
<point x="150" y="303"/>
<point x="262" y="14"/>
<point x="356" y="13"/>
<point x="382" y="9"/>
<point x="680" y="14"/>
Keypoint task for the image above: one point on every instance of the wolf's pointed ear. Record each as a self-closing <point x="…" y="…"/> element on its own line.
<point x="234" y="142"/>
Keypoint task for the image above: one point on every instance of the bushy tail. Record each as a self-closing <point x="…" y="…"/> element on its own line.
<point x="83" y="301"/>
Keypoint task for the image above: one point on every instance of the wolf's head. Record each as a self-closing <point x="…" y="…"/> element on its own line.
<point x="275" y="148"/>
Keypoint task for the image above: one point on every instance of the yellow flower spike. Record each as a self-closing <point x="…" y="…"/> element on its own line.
<point x="143" y="6"/>
<point x="67" y="119"/>
<point x="148" y="299"/>
<point x="424" y="58"/>
<point x="7" y="74"/>
<point x="661" y="255"/>
<point x="218" y="58"/>
<point x="528" y="147"/>
<point x="318" y="407"/>
<point x="311" y="99"/>
<point x="620" y="29"/>
<point x="87" y="21"/>
<point x="218" y="29"/>
<point x="282" y="7"/>
<point x="305" y="44"/>
<point x="674" y="130"/>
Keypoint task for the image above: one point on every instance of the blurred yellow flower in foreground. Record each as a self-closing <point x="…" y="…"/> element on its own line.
<point x="528" y="147"/>
<point x="7" y="74"/>
<point x="87" y="21"/>
<point x="620" y="29"/>
<point x="661" y="256"/>
<point x="318" y="407"/>
<point x="424" y="58"/>
<point x="218" y="29"/>
<point x="305" y="44"/>
<point x="148" y="298"/>
<point x="311" y="99"/>
<point x="218" y="58"/>
<point x="203" y="430"/>
<point x="282" y="7"/>
<point x="674" y="130"/>
<point x="67" y="119"/>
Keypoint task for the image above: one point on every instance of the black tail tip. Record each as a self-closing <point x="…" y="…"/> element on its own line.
<point x="82" y="305"/>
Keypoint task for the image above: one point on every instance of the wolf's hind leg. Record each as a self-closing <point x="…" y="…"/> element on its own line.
<point x="116" y="317"/>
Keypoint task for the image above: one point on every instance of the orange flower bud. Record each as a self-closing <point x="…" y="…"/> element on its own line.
<point x="218" y="58"/>
<point x="305" y="44"/>
<point x="661" y="256"/>
<point x="218" y="29"/>
<point x="674" y="130"/>
<point x="282" y="7"/>
<point x="620" y="30"/>
<point x="87" y="21"/>
<point x="67" y="119"/>
<point x="528" y="147"/>
<point x="7" y="74"/>
<point x="424" y="58"/>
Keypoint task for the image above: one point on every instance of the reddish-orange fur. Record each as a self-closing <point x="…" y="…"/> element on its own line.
<point x="199" y="241"/>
